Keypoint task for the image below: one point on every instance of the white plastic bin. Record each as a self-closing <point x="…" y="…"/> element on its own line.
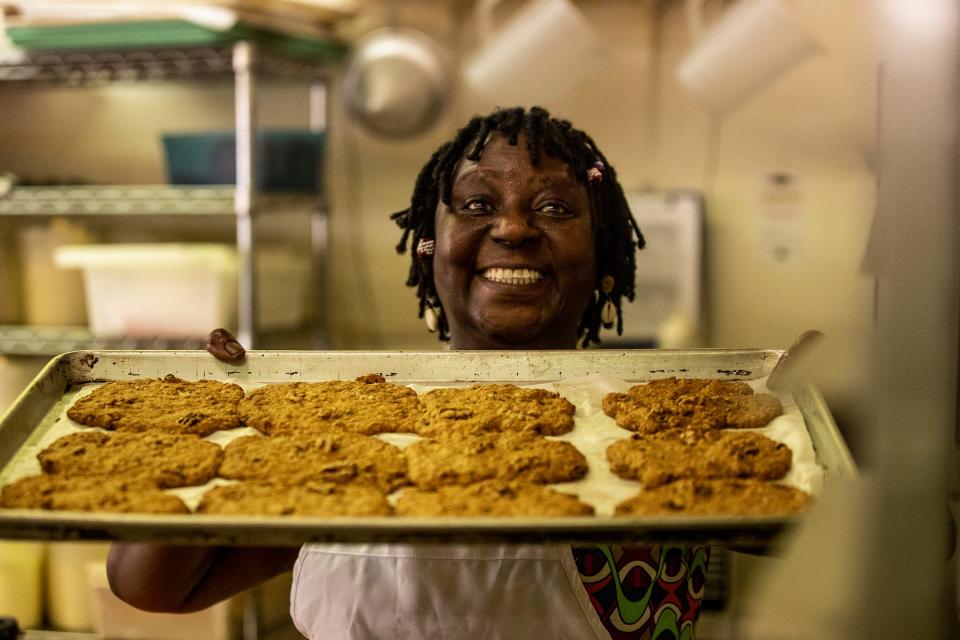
<point x="170" y="289"/>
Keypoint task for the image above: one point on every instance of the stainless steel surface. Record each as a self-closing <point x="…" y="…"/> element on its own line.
<point x="118" y="200"/>
<point x="139" y="200"/>
<point x="832" y="451"/>
<point x="915" y="255"/>
<point x="396" y="82"/>
<point x="44" y="399"/>
<point x="798" y="361"/>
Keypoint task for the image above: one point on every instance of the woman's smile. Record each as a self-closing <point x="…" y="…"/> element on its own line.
<point x="517" y="277"/>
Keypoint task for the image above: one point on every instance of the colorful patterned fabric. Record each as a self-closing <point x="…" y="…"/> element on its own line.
<point x="644" y="593"/>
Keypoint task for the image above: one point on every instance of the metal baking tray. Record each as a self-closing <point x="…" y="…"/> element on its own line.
<point x="45" y="399"/>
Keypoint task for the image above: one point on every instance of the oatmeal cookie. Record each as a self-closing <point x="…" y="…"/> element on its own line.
<point x="662" y="457"/>
<point x="494" y="407"/>
<point x="311" y="498"/>
<point x="672" y="403"/>
<point x="491" y="498"/>
<point x="502" y="456"/>
<point x="338" y="457"/>
<point x="740" y="497"/>
<point x="89" y="493"/>
<point x="367" y="405"/>
<point x="166" y="459"/>
<point x="199" y="407"/>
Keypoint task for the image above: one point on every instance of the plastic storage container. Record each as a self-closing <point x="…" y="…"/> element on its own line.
<point x="170" y="289"/>
<point x="287" y="160"/>
<point x="67" y="605"/>
<point x="21" y="581"/>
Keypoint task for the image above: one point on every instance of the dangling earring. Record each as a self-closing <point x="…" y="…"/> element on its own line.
<point x="609" y="312"/>
<point x="431" y="314"/>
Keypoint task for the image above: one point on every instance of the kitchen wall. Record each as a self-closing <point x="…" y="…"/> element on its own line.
<point x="814" y="123"/>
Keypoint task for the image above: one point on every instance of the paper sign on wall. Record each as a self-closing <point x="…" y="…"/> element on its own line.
<point x="782" y="227"/>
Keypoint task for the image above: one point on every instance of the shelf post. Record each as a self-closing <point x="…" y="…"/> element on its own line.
<point x="319" y="215"/>
<point x="245" y="194"/>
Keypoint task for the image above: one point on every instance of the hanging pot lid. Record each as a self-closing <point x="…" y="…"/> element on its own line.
<point x="396" y="82"/>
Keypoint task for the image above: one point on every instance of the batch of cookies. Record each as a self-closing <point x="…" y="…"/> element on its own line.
<point x="481" y="451"/>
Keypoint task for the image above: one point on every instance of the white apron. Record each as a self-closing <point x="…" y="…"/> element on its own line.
<point x="442" y="592"/>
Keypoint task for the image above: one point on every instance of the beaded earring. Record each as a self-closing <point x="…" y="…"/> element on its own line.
<point x="595" y="172"/>
<point x="609" y="312"/>
<point x="426" y="247"/>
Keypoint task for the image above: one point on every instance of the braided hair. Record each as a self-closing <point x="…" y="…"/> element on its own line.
<point x="616" y="234"/>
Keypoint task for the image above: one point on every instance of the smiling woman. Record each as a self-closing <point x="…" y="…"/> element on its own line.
<point x="523" y="236"/>
<point x="522" y="239"/>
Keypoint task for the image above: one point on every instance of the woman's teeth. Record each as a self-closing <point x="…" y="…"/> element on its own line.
<point x="512" y="276"/>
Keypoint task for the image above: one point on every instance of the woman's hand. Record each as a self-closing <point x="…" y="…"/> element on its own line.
<point x="181" y="579"/>
<point x="225" y="347"/>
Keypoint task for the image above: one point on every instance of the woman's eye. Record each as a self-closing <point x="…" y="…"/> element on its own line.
<point x="476" y="205"/>
<point x="556" y="210"/>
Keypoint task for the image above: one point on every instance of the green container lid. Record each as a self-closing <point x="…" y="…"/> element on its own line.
<point x="166" y="33"/>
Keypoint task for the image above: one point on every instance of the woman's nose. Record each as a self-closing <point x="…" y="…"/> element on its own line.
<point x="513" y="226"/>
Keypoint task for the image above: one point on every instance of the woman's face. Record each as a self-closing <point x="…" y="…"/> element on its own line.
<point x="514" y="265"/>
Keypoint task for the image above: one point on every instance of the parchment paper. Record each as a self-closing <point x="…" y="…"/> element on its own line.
<point x="593" y="432"/>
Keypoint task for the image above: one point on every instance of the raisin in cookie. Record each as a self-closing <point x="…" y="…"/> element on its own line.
<point x="662" y="457"/>
<point x="166" y="459"/>
<point x="335" y="457"/>
<point x="199" y="407"/>
<point x="492" y="408"/>
<point x="491" y="498"/>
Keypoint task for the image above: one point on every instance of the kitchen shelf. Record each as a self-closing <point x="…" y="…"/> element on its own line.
<point x="51" y="341"/>
<point x="244" y="62"/>
<point x="84" y="68"/>
<point x="125" y="200"/>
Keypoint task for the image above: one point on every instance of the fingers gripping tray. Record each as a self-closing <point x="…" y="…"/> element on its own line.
<point x="38" y="417"/>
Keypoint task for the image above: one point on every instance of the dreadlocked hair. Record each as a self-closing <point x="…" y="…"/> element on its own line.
<point x="616" y="233"/>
